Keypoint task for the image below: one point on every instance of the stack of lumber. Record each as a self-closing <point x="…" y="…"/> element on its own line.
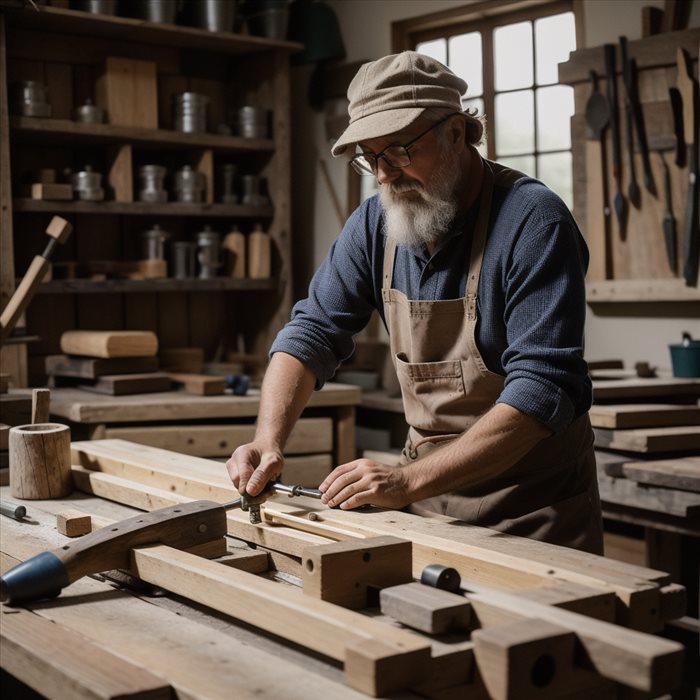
<point x="185" y="367"/>
<point x="109" y="362"/>
<point x="531" y="620"/>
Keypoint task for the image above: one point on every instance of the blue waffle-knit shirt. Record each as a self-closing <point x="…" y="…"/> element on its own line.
<point x="531" y="297"/>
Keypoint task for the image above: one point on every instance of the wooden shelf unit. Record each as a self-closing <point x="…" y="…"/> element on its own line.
<point x="66" y="49"/>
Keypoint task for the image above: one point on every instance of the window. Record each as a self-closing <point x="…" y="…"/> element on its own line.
<point x="509" y="61"/>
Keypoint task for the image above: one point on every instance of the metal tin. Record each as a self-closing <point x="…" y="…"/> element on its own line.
<point x="98" y="7"/>
<point x="162" y="11"/>
<point x="228" y="175"/>
<point x="190" y="112"/>
<point x="30" y="98"/>
<point x="153" y="243"/>
<point x="183" y="259"/>
<point x="189" y="185"/>
<point x="208" y="253"/>
<point x="252" y="191"/>
<point x="89" y="113"/>
<point x="152" y="189"/>
<point x="252" y="122"/>
<point x="88" y="185"/>
<point x="213" y="15"/>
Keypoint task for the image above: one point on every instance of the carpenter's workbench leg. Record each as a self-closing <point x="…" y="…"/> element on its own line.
<point x="345" y="449"/>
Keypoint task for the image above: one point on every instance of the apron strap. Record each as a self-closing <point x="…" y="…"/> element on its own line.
<point x="388" y="268"/>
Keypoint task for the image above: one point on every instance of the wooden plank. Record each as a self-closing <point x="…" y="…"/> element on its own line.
<point x="682" y="473"/>
<point x="121" y="384"/>
<point x="220" y="440"/>
<point x="644" y="388"/>
<point x="669" y="439"/>
<point x="626" y="416"/>
<point x="315" y="624"/>
<point x="200" y="384"/>
<point x="425" y="608"/>
<point x="92" y="367"/>
<point x="110" y="343"/>
<point x="41" y="405"/>
<point x="61" y="664"/>
<point x="497" y="559"/>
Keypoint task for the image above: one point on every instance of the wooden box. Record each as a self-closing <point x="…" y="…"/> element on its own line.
<point x="127" y="90"/>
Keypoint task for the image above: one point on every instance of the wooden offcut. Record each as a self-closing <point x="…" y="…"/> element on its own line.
<point x="682" y="473"/>
<point x="669" y="439"/>
<point x="343" y="572"/>
<point x="92" y="367"/>
<point x="124" y="384"/>
<point x="73" y="523"/>
<point x="187" y="360"/>
<point x="41" y="405"/>
<point x="110" y="343"/>
<point x="259" y="255"/>
<point x="57" y="191"/>
<point x="57" y="662"/>
<point x="200" y="384"/>
<point x="634" y="415"/>
<point x="127" y="90"/>
<point x="425" y="608"/>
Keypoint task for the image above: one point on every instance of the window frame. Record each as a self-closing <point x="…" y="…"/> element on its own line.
<point x="484" y="17"/>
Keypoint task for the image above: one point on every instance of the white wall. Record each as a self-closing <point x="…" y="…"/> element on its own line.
<point x="630" y="332"/>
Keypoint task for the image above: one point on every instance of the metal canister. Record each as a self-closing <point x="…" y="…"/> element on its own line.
<point x="189" y="185"/>
<point x="253" y="191"/>
<point x="153" y="243"/>
<point x="30" y="98"/>
<point x="208" y="253"/>
<point x="252" y="122"/>
<point x="163" y="11"/>
<point x="183" y="259"/>
<point x="152" y="189"/>
<point x="228" y="191"/>
<point x="190" y="112"/>
<point x="214" y="15"/>
<point x="89" y="113"/>
<point x="99" y="7"/>
<point x="88" y="185"/>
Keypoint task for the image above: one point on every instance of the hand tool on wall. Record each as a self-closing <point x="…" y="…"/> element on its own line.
<point x="677" y="109"/>
<point x="182" y="526"/>
<point x="634" y="105"/>
<point x="688" y="87"/>
<point x="58" y="231"/>
<point x="610" y="70"/>
<point x="633" y="193"/>
<point x="669" y="221"/>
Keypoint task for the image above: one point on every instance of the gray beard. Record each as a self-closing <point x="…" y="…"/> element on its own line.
<point x="419" y="221"/>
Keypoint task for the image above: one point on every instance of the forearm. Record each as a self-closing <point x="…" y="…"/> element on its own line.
<point x="286" y="389"/>
<point x="497" y="441"/>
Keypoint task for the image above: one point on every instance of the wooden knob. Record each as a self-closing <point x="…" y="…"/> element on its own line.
<point x="40" y="461"/>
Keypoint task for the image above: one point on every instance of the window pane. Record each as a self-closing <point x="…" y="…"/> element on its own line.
<point x="515" y="123"/>
<point x="512" y="48"/>
<point x="555" y="38"/>
<point x="554" y="169"/>
<point x="436" y="49"/>
<point x="555" y="107"/>
<point x="465" y="60"/>
<point x="525" y="164"/>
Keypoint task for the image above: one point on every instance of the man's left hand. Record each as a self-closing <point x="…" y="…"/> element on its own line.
<point x="364" y="481"/>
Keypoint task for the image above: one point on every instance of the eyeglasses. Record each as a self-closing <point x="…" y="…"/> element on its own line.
<point x="395" y="156"/>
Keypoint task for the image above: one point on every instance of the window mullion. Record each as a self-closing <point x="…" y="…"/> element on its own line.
<point x="489" y="89"/>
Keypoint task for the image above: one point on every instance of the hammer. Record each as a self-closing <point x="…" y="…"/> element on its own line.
<point x="58" y="231"/>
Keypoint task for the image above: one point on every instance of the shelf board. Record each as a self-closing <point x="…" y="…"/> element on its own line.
<point x="41" y="130"/>
<point x="641" y="291"/>
<point x="215" y="284"/>
<point x="138" y="30"/>
<point x="23" y="204"/>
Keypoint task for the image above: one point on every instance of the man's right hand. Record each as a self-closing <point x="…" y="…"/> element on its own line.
<point x="252" y="465"/>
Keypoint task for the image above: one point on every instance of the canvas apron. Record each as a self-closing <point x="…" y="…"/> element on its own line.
<point x="551" y="494"/>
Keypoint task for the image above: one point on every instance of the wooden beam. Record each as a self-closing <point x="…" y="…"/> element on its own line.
<point x="59" y="663"/>
<point x="398" y="661"/>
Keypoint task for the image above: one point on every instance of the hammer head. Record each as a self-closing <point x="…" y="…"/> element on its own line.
<point x="59" y="229"/>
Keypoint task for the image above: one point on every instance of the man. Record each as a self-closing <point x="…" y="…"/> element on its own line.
<point x="478" y="273"/>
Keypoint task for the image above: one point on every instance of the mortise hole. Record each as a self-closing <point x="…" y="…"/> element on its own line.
<point x="65" y="547"/>
<point x="115" y="529"/>
<point x="543" y="670"/>
<point x="309" y="565"/>
<point x="177" y="511"/>
<point x="366" y="556"/>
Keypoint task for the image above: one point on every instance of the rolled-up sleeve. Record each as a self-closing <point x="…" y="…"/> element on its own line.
<point x="544" y="312"/>
<point x="339" y="304"/>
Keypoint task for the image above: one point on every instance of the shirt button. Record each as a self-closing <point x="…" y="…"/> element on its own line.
<point x="431" y="267"/>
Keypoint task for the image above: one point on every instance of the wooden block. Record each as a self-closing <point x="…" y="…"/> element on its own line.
<point x="682" y="473"/>
<point x="57" y="662"/>
<point x="4" y="383"/>
<point x="56" y="191"/>
<point x="425" y="608"/>
<point x="671" y="439"/>
<point x="120" y="176"/>
<point x="41" y="405"/>
<point x="123" y="384"/>
<point x="379" y="669"/>
<point x="92" y="368"/>
<point x="127" y="90"/>
<point x="259" y="260"/>
<point x="4" y="436"/>
<point x="625" y="416"/>
<point x="254" y="562"/>
<point x="528" y="659"/>
<point x="234" y="244"/>
<point x="189" y="360"/>
<point x="199" y="384"/>
<point x="110" y="343"/>
<point x="73" y="523"/>
<point x="45" y="176"/>
<point x="210" y="550"/>
<point x="341" y="572"/>
<point x="584" y="600"/>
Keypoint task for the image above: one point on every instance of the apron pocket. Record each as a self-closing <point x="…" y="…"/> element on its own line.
<point x="433" y="393"/>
